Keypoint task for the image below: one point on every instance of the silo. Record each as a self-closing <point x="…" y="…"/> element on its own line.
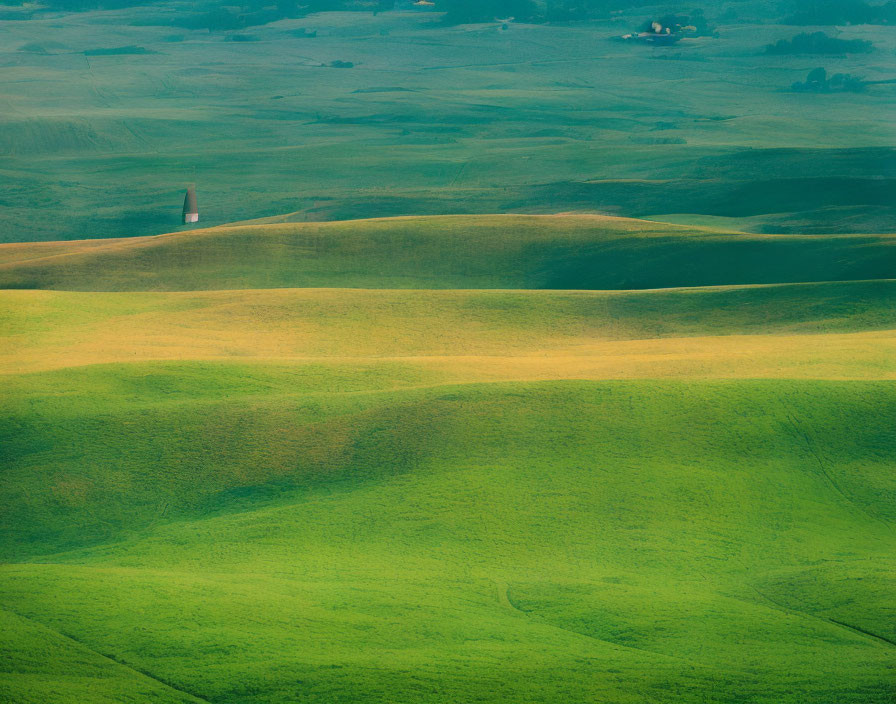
<point x="191" y="206"/>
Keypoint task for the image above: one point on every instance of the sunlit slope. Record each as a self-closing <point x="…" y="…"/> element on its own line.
<point x="48" y="329"/>
<point x="92" y="379"/>
<point x="509" y="251"/>
<point x="575" y="541"/>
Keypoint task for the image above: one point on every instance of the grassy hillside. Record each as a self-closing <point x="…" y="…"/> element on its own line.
<point x="516" y="252"/>
<point x="577" y="540"/>
<point x="434" y="459"/>
<point x="103" y="449"/>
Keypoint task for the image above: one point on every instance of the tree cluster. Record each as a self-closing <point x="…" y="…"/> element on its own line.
<point x="818" y="81"/>
<point x="818" y="43"/>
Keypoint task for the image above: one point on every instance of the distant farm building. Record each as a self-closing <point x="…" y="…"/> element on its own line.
<point x="670" y="29"/>
<point x="191" y="206"/>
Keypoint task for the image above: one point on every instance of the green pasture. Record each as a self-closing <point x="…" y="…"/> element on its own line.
<point x="606" y="417"/>
<point x="369" y="522"/>
<point x="626" y="541"/>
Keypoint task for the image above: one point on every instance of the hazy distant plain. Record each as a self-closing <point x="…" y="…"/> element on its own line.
<point x="431" y="119"/>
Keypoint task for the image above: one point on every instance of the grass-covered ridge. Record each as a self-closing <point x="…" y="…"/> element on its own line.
<point x="505" y="251"/>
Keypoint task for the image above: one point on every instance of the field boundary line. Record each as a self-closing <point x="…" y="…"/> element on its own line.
<point x="799" y="613"/>
<point x="788" y="413"/>
<point x="110" y="658"/>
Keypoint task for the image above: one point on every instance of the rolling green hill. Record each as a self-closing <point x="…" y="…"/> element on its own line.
<point x="516" y="252"/>
<point x="418" y="460"/>
<point x="577" y="540"/>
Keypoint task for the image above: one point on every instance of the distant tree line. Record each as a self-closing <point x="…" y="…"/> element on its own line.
<point x="818" y="43"/>
<point x="276" y="8"/>
<point x="472" y="11"/>
<point x="227" y="15"/>
<point x="81" y="5"/>
<point x="834" y="12"/>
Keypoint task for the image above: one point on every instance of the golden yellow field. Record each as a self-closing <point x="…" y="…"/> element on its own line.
<point x="463" y="335"/>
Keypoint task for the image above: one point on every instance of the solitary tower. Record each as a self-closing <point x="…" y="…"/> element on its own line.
<point x="191" y="207"/>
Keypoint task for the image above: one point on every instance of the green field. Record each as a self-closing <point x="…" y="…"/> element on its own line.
<point x="480" y="543"/>
<point x="402" y="461"/>
<point x="509" y="364"/>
